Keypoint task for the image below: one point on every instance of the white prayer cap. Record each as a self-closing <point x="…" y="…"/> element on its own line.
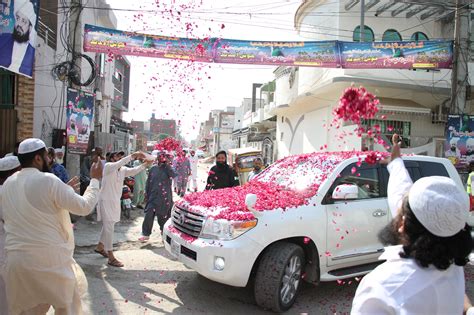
<point x="58" y="150"/>
<point x="26" y="8"/>
<point x="73" y="117"/>
<point x="30" y="145"/>
<point x="440" y="205"/>
<point x="9" y="163"/>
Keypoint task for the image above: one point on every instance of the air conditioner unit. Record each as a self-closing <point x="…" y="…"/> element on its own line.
<point x="440" y="114"/>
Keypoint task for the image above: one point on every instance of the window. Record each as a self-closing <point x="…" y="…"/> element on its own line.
<point x="419" y="36"/>
<point x="389" y="127"/>
<point x="365" y="178"/>
<point x="367" y="34"/>
<point x="391" y="35"/>
<point x="433" y="169"/>
<point x="7" y="88"/>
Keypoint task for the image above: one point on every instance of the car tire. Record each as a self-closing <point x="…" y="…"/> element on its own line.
<point x="278" y="278"/>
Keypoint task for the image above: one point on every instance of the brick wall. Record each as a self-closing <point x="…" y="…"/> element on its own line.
<point x="25" y="107"/>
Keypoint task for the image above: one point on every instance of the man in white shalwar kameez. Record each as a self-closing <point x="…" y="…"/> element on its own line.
<point x="40" y="271"/>
<point x="108" y="210"/>
<point x="193" y="161"/>
<point x="8" y="166"/>
<point x="424" y="274"/>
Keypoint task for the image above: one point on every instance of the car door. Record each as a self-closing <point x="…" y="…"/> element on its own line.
<point x="353" y="224"/>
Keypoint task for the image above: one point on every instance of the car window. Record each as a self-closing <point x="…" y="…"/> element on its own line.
<point x="366" y="179"/>
<point x="417" y="170"/>
<point x="433" y="169"/>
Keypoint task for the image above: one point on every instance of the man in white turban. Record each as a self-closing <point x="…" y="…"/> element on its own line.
<point x="8" y="166"/>
<point x="423" y="272"/>
<point x="16" y="49"/>
<point x="40" y="270"/>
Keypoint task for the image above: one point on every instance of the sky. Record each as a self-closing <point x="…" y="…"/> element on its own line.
<point x="188" y="92"/>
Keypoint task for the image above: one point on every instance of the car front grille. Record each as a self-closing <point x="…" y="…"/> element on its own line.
<point x="187" y="222"/>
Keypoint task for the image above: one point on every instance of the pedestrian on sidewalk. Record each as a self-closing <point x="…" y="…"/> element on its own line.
<point x="423" y="274"/>
<point x="221" y="175"/>
<point x="183" y="169"/>
<point x="139" y="187"/>
<point x="109" y="208"/>
<point x="193" y="161"/>
<point x="8" y="166"/>
<point x="40" y="269"/>
<point x="159" y="195"/>
<point x="56" y="168"/>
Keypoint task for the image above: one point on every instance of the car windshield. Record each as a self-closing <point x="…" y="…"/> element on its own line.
<point x="301" y="172"/>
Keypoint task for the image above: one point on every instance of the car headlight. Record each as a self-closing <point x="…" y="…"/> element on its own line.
<point x="224" y="229"/>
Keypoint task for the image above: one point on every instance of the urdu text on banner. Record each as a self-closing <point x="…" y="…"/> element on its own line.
<point x="327" y="54"/>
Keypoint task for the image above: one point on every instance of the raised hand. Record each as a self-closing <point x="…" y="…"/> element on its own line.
<point x="75" y="183"/>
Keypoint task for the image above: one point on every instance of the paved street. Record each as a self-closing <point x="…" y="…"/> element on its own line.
<point x="151" y="283"/>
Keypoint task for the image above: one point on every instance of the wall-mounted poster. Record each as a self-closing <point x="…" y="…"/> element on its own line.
<point x="79" y="120"/>
<point x="459" y="147"/>
<point x="18" y="35"/>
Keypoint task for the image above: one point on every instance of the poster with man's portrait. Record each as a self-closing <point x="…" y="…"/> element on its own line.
<point x="79" y="120"/>
<point x="18" y="25"/>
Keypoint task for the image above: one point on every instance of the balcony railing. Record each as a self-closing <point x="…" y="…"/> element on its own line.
<point x="47" y="34"/>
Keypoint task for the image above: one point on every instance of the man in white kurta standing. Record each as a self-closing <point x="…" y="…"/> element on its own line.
<point x="108" y="210"/>
<point x="8" y="166"/>
<point x="40" y="271"/>
<point x="193" y="160"/>
<point x="424" y="274"/>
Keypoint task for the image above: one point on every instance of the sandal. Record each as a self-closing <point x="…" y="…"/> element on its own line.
<point x="115" y="263"/>
<point x="144" y="239"/>
<point x="102" y="252"/>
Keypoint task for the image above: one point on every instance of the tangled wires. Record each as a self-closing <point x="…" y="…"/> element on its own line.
<point x="69" y="70"/>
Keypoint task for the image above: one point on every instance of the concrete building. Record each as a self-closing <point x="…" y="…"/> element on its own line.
<point x="222" y="130"/>
<point x="415" y="102"/>
<point x="36" y="107"/>
<point x="205" y="138"/>
<point x="254" y="125"/>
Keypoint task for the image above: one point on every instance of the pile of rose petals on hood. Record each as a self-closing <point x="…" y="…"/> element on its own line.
<point x="169" y="144"/>
<point x="276" y="188"/>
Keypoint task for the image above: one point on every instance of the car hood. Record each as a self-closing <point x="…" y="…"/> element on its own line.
<point x="229" y="203"/>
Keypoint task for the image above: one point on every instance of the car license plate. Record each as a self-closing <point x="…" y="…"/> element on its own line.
<point x="175" y="248"/>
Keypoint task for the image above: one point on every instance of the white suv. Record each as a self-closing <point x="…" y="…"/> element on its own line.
<point x="331" y="236"/>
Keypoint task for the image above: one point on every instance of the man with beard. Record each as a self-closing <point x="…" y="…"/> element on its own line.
<point x="109" y="209"/>
<point x="40" y="270"/>
<point x="423" y="271"/>
<point x="257" y="168"/>
<point x="221" y="175"/>
<point x="56" y="168"/>
<point x="158" y="195"/>
<point x="16" y="51"/>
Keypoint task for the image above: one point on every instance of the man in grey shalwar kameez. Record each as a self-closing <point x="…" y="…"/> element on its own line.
<point x="183" y="169"/>
<point x="159" y="195"/>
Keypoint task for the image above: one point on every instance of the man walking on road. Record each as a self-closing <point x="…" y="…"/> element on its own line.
<point x="139" y="187"/>
<point x="193" y="161"/>
<point x="109" y="209"/>
<point x="159" y="195"/>
<point x="183" y="169"/>
<point x="40" y="269"/>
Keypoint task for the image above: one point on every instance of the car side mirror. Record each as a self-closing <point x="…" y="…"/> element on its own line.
<point x="250" y="201"/>
<point x="345" y="191"/>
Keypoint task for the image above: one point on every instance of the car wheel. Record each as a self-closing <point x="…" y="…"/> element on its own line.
<point x="278" y="277"/>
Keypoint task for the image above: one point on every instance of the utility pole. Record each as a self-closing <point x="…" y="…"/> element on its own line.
<point x="362" y="20"/>
<point x="460" y="57"/>
<point x="73" y="160"/>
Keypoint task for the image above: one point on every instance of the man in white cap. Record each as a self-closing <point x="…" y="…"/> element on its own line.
<point x="108" y="208"/>
<point x="73" y="125"/>
<point x="424" y="273"/>
<point x="16" y="49"/>
<point x="8" y="166"/>
<point x="40" y="271"/>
